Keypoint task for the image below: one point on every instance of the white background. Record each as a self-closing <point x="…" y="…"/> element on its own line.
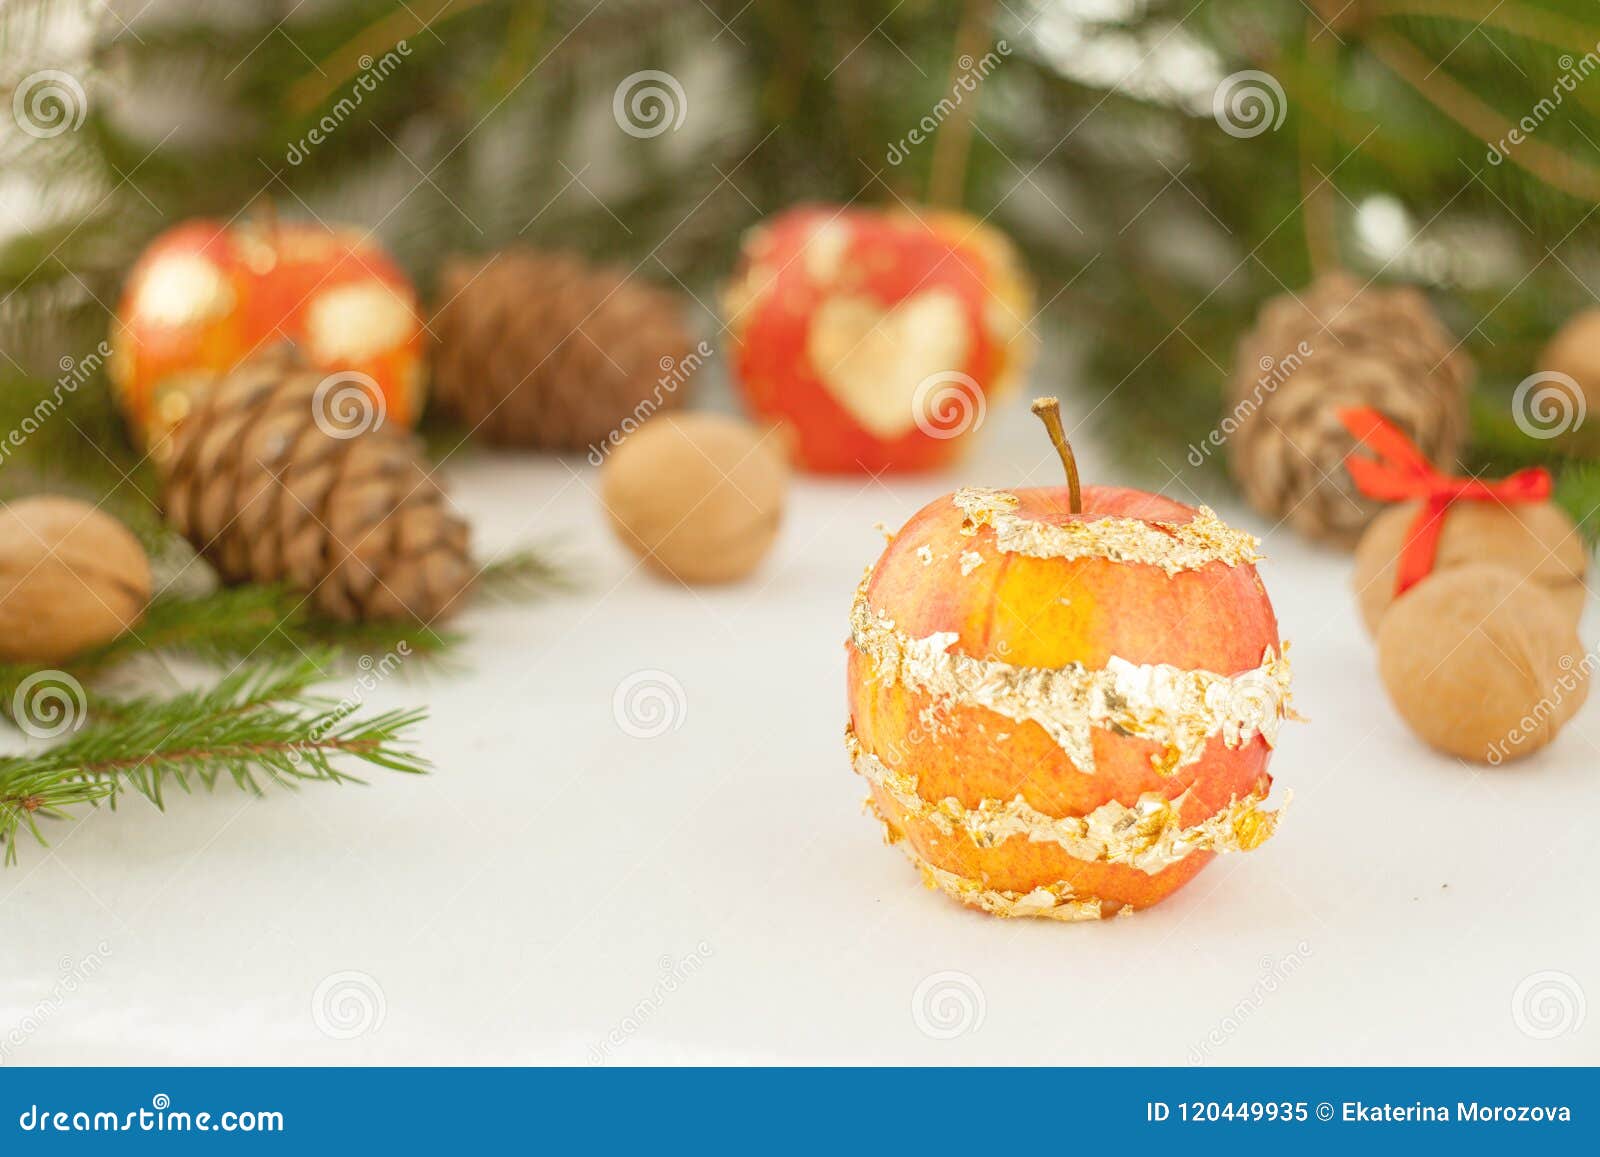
<point x="525" y="901"/>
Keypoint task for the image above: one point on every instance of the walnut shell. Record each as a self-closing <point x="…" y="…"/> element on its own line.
<point x="1482" y="664"/>
<point x="71" y="578"/>
<point x="1536" y="541"/>
<point x="697" y="496"/>
<point x="1574" y="351"/>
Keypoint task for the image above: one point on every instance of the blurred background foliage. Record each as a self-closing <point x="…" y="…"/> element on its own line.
<point x="1153" y="235"/>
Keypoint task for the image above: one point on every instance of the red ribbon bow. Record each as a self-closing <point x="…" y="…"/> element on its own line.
<point x="1400" y="472"/>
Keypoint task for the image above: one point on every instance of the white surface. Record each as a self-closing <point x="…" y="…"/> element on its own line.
<point x="519" y="904"/>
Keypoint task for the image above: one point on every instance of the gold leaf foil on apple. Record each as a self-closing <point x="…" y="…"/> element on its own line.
<point x="1048" y="902"/>
<point x="358" y="322"/>
<point x="1052" y="902"/>
<point x="873" y="358"/>
<point x="1172" y="546"/>
<point x="181" y="289"/>
<point x="1179" y="709"/>
<point x="1148" y="836"/>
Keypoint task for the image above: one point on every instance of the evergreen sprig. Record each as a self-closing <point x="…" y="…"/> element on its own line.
<point x="1578" y="492"/>
<point x="254" y="727"/>
<point x="272" y="624"/>
<point x="261" y="723"/>
<point x="1154" y="234"/>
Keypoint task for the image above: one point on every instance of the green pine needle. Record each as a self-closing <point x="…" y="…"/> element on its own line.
<point x="261" y="724"/>
<point x="1578" y="492"/>
<point x="527" y="574"/>
<point x="276" y="624"/>
<point x="254" y="728"/>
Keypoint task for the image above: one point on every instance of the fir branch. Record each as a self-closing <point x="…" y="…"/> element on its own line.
<point x="1549" y="28"/>
<point x="276" y="624"/>
<point x="822" y="88"/>
<point x="1557" y="168"/>
<point x="526" y="574"/>
<point x="1578" y="493"/>
<point x="309" y="92"/>
<point x="253" y="728"/>
<point x="25" y="796"/>
<point x="258" y="623"/>
<point x="946" y="185"/>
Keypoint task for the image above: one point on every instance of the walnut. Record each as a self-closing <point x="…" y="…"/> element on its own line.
<point x="698" y="496"/>
<point x="1536" y="540"/>
<point x="71" y="578"/>
<point x="1482" y="663"/>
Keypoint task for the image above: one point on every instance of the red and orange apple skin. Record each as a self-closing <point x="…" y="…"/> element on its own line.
<point x="1049" y="612"/>
<point x="838" y="315"/>
<point x="206" y="294"/>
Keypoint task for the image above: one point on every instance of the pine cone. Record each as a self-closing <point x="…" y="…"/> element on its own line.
<point x="1309" y="356"/>
<point x="271" y="481"/>
<point x="545" y="350"/>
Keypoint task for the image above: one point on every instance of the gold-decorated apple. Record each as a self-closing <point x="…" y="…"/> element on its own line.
<point x="878" y="339"/>
<point x="1064" y="699"/>
<point x="205" y="295"/>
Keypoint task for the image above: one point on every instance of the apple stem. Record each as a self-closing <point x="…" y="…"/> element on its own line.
<point x="265" y="212"/>
<point x="1049" y="411"/>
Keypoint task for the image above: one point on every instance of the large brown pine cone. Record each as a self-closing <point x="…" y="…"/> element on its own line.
<point x="1310" y="355"/>
<point x="546" y="350"/>
<point x="281" y="474"/>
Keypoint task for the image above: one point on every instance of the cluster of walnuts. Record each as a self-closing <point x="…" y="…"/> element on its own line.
<point x="1482" y="657"/>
